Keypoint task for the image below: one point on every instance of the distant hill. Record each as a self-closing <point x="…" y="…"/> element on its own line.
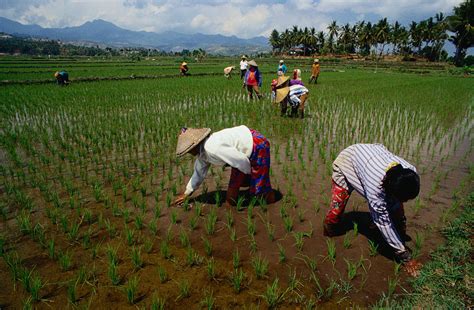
<point x="106" y="33"/>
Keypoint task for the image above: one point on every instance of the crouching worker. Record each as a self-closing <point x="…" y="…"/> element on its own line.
<point x="228" y="71"/>
<point x="62" y="78"/>
<point x="295" y="96"/>
<point x="246" y="150"/>
<point x="183" y="69"/>
<point x="386" y="181"/>
<point x="281" y="82"/>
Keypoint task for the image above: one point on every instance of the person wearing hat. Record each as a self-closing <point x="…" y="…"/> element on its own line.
<point x="183" y="69"/>
<point x="282" y="68"/>
<point x="296" y="80"/>
<point x="295" y="96"/>
<point x="314" y="72"/>
<point x="62" y="78"/>
<point x="253" y="80"/>
<point x="243" y="66"/>
<point x="280" y="82"/>
<point x="228" y="71"/>
<point x="386" y="181"/>
<point x="246" y="150"/>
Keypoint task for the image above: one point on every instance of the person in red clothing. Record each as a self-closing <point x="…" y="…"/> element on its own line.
<point x="253" y="80"/>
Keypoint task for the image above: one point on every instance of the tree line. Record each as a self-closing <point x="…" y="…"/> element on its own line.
<point x="425" y="38"/>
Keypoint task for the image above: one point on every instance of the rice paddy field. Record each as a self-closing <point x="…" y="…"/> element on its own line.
<point x="88" y="176"/>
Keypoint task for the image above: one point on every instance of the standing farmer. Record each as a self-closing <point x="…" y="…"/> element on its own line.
<point x="253" y="80"/>
<point x="62" y="78"/>
<point x="243" y="66"/>
<point x="246" y="150"/>
<point x="314" y="72"/>
<point x="386" y="181"/>
<point x="282" y="68"/>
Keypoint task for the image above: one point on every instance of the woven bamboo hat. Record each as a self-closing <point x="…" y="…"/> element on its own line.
<point x="189" y="138"/>
<point x="252" y="63"/>
<point x="56" y="74"/>
<point x="316" y="60"/>
<point x="281" y="94"/>
<point x="282" y="80"/>
<point x="184" y="63"/>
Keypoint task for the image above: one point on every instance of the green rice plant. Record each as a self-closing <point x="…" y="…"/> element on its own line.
<point x="299" y="242"/>
<point x="157" y="303"/>
<point x="51" y="249"/>
<point x="347" y="240"/>
<point x="165" y="249"/>
<point x="207" y="246"/>
<point x="193" y="258"/>
<point x="344" y="287"/>
<point x="211" y="268"/>
<point x="139" y="221"/>
<point x="110" y="228"/>
<point x="260" y="266"/>
<point x="131" y="289"/>
<point x="392" y="285"/>
<point x="218" y="198"/>
<point x="72" y="292"/>
<point x="82" y="275"/>
<point x="351" y="269"/>
<point x="112" y="255"/>
<point x="126" y="215"/>
<point x="240" y="203"/>
<point x="251" y="226"/>
<point x="310" y="262"/>
<point x="157" y="211"/>
<point x="174" y="216"/>
<point x="198" y="209"/>
<point x="129" y="235"/>
<point x="293" y="282"/>
<point x="148" y="245"/>
<point x="273" y="296"/>
<point x="153" y="227"/>
<point x="193" y="222"/>
<point x="355" y="228"/>
<point x="236" y="258"/>
<point x="162" y="274"/>
<point x="396" y="268"/>
<point x="24" y="222"/>
<point x="87" y="216"/>
<point x="64" y="260"/>
<point x="184" y="289"/>
<point x="300" y="214"/>
<point x="113" y="274"/>
<point x="418" y="242"/>
<point x="184" y="239"/>
<point x="211" y="221"/>
<point x="232" y="234"/>
<point x="288" y="223"/>
<point x="208" y="300"/>
<point x="25" y="276"/>
<point x="136" y="257"/>
<point x="237" y="278"/>
<point x="373" y="248"/>
<point x="331" y="245"/>
<point x="27" y="303"/>
<point x="270" y="230"/>
<point x="252" y="245"/>
<point x="281" y="253"/>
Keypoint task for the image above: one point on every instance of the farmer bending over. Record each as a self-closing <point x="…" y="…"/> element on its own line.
<point x="228" y="71"/>
<point x="62" y="78"/>
<point x="183" y="69"/>
<point x="295" y="96"/>
<point x="246" y="150"/>
<point x="386" y="181"/>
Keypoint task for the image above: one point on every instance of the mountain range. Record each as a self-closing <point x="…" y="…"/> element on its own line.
<point x="106" y="33"/>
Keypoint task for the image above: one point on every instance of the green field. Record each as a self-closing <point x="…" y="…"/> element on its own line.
<point x="89" y="172"/>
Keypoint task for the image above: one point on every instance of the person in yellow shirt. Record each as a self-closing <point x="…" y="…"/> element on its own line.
<point x="314" y="72"/>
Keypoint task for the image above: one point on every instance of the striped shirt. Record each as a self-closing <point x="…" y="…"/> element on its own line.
<point x="362" y="167"/>
<point x="296" y="91"/>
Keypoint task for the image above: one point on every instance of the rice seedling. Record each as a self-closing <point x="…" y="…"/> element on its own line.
<point x="193" y="221"/>
<point x="131" y="289"/>
<point x="184" y="239"/>
<point x="207" y="246"/>
<point x="355" y="228"/>
<point x="157" y="303"/>
<point x="347" y="240"/>
<point x="237" y="278"/>
<point x="51" y="249"/>
<point x="208" y="300"/>
<point x="299" y="242"/>
<point x="64" y="260"/>
<point x="270" y="228"/>
<point x="136" y="257"/>
<point x="211" y="268"/>
<point x="273" y="296"/>
<point x="193" y="258"/>
<point x="184" y="289"/>
<point x="113" y="274"/>
<point x="148" y="245"/>
<point x="252" y="244"/>
<point x="112" y="255"/>
<point x="153" y="227"/>
<point x="174" y="216"/>
<point x="281" y="253"/>
<point x="373" y="248"/>
<point x="24" y="222"/>
<point x="236" y="259"/>
<point x="165" y="249"/>
<point x="293" y="282"/>
<point x="260" y="266"/>
<point x="251" y="226"/>
<point x="311" y="263"/>
<point x="130" y="235"/>
<point x="232" y="234"/>
<point x="162" y="274"/>
<point x="72" y="292"/>
<point x="392" y="285"/>
<point x="211" y="221"/>
<point x="351" y="269"/>
<point x="418" y="242"/>
<point x="288" y="223"/>
<point x="139" y="221"/>
<point x="331" y="250"/>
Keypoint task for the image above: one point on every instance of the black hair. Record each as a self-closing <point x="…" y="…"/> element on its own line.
<point x="401" y="183"/>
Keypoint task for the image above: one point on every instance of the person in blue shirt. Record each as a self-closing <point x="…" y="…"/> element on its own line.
<point x="282" y="68"/>
<point x="62" y="78"/>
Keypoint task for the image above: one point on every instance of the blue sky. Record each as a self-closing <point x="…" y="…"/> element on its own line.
<point x="243" y="18"/>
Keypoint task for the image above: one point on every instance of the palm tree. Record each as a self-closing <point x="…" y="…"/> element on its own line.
<point x="415" y="36"/>
<point x="461" y="25"/>
<point x="333" y="31"/>
<point x="321" y="40"/>
<point x="275" y="41"/>
<point x="382" y="33"/>
<point x="345" y="38"/>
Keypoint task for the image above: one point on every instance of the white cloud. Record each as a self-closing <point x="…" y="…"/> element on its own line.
<point x="244" y="18"/>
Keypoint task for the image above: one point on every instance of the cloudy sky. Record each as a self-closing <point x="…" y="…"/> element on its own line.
<point x="244" y="18"/>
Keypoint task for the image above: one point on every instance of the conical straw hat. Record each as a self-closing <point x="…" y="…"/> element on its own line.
<point x="282" y="80"/>
<point x="189" y="138"/>
<point x="281" y="94"/>
<point x="252" y="63"/>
